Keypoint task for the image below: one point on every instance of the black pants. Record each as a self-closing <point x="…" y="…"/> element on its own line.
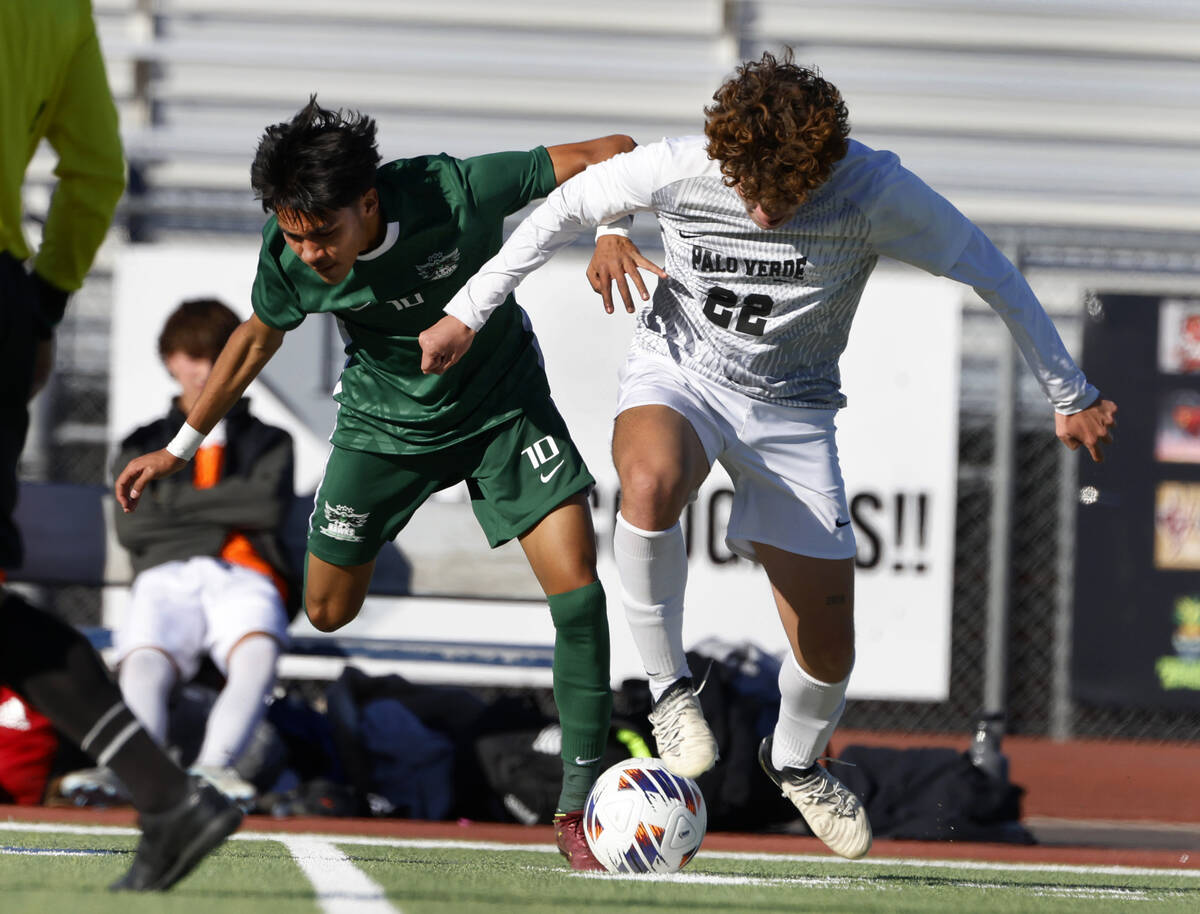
<point x="18" y="345"/>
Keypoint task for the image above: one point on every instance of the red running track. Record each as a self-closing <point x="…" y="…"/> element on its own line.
<point x="748" y="843"/>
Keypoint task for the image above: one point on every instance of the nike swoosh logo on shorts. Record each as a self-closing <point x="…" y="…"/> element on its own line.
<point x="546" y="477"/>
<point x="840" y="523"/>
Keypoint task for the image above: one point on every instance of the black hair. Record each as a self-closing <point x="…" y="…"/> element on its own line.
<point x="317" y="162"/>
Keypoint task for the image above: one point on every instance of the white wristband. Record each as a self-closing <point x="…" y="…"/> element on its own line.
<point x="185" y="443"/>
<point x="617" y="227"/>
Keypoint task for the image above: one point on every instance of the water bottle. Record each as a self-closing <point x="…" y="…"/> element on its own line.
<point x="985" y="751"/>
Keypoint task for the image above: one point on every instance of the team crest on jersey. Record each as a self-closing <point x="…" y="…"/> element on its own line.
<point x="344" y="523"/>
<point x="439" y="265"/>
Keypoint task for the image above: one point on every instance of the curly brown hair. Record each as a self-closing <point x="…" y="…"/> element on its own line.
<point x="777" y="129"/>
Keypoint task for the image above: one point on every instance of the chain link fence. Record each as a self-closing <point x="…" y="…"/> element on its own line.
<point x="68" y="436"/>
<point x="1036" y="701"/>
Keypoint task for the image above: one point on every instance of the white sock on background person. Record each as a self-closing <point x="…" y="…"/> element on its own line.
<point x="146" y="679"/>
<point x="653" y="569"/>
<point x="809" y="711"/>
<point x="241" y="704"/>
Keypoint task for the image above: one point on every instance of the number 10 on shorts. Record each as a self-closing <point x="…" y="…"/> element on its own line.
<point x="541" y="451"/>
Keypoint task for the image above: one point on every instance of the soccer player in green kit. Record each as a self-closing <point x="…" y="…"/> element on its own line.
<point x="384" y="248"/>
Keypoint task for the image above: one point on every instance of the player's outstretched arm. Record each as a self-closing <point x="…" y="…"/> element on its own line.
<point x="621" y="185"/>
<point x="1089" y="427"/>
<point x="614" y="258"/>
<point x="569" y="159"/>
<point x="244" y="356"/>
<point x="141" y="471"/>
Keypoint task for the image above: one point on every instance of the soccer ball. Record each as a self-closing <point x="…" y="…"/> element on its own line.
<point x="641" y="818"/>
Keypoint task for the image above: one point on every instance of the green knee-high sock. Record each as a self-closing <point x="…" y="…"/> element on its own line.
<point x="581" y="687"/>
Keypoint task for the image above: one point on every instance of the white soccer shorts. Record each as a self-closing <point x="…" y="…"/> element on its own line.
<point x="788" y="489"/>
<point x="199" y="606"/>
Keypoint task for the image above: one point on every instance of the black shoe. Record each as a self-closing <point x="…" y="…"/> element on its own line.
<point x="174" y="841"/>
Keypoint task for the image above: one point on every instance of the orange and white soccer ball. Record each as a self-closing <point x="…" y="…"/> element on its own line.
<point x="641" y="818"/>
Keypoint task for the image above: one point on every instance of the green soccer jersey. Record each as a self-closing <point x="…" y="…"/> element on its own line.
<point x="444" y="218"/>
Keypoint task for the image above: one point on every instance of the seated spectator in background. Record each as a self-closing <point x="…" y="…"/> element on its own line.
<point x="209" y="565"/>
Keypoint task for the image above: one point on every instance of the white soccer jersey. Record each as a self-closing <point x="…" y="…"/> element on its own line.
<point x="768" y="312"/>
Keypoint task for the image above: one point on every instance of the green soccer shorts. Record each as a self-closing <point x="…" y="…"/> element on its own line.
<point x="517" y="472"/>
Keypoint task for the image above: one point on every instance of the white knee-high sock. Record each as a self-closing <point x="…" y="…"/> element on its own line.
<point x="809" y="711"/>
<point x="146" y="679"/>
<point x="653" y="569"/>
<point x="242" y="703"/>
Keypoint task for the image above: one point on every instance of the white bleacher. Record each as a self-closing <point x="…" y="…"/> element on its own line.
<point x="1080" y="113"/>
<point x="674" y="17"/>
<point x="197" y="87"/>
<point x="1026" y="112"/>
<point x="1117" y="28"/>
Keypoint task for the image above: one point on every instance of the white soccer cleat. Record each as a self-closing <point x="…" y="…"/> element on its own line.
<point x="227" y="781"/>
<point x="94" y="787"/>
<point x="832" y="811"/>
<point x="685" y="743"/>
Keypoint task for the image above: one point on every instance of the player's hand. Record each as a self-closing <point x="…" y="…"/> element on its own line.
<point x="1090" y="428"/>
<point x="443" y="344"/>
<point x="142" y="470"/>
<point x="615" y="258"/>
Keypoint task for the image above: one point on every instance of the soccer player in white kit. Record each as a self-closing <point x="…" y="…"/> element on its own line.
<point x="771" y="224"/>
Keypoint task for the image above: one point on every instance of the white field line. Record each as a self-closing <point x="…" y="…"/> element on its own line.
<point x="794" y="858"/>
<point x="986" y="866"/>
<point x="863" y="883"/>
<point x="342" y="888"/>
<point x="54" y="852"/>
